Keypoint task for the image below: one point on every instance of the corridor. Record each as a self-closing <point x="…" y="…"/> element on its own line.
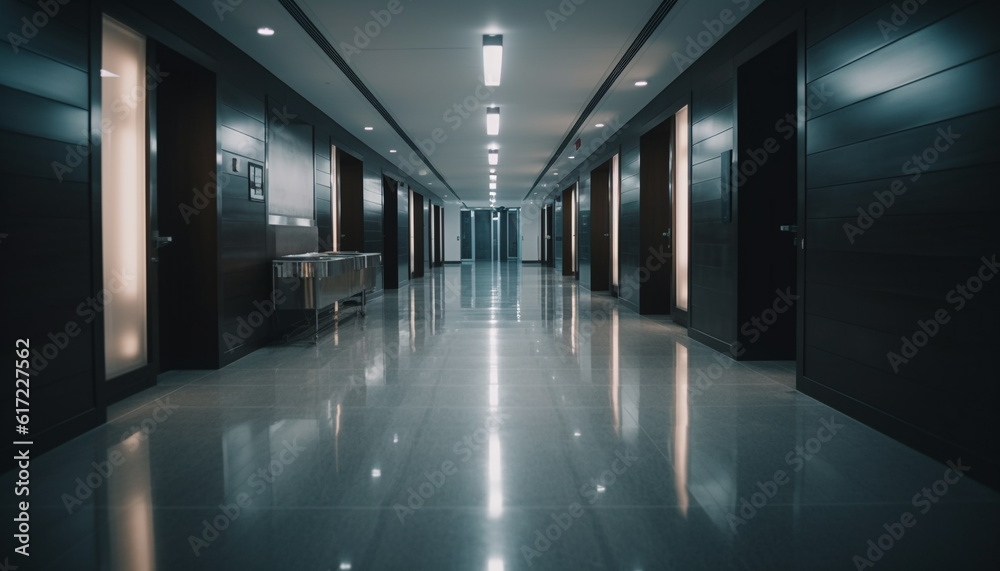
<point x="497" y="417"/>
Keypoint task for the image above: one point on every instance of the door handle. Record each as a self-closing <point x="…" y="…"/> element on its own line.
<point x="793" y="228"/>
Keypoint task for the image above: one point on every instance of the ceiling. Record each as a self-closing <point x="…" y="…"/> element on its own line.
<point x="424" y="65"/>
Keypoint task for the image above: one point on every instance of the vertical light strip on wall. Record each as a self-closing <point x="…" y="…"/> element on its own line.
<point x="682" y="196"/>
<point x="572" y="229"/>
<point x="123" y="197"/>
<point x="615" y="218"/>
<point x="334" y="201"/>
<point x="412" y="268"/>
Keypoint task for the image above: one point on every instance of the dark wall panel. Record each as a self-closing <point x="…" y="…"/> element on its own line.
<point x="243" y="223"/>
<point x="374" y="238"/>
<point x="712" y="277"/>
<point x="628" y="230"/>
<point x="583" y="233"/>
<point x="46" y="214"/>
<point x="916" y="115"/>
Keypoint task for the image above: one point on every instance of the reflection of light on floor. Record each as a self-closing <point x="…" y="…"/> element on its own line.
<point x="495" y="485"/>
<point x="616" y="414"/>
<point x="495" y="564"/>
<point x="336" y="442"/>
<point x="131" y="500"/>
<point x="494" y="364"/>
<point x="681" y="426"/>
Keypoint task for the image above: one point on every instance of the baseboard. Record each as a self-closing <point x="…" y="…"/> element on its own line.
<point x="713" y="342"/>
<point x="983" y="469"/>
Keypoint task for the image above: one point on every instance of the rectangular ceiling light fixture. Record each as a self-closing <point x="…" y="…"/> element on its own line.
<point x="493" y="178"/>
<point x="492" y="120"/>
<point x="494" y="157"/>
<point x="493" y="186"/>
<point x="492" y="59"/>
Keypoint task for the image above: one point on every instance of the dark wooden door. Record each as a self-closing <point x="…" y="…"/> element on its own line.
<point x="766" y="178"/>
<point x="418" y="236"/>
<point x="600" y="228"/>
<point x="656" y="220"/>
<point x="351" y="209"/>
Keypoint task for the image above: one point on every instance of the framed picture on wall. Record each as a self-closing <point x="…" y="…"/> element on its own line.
<point x="256" y="174"/>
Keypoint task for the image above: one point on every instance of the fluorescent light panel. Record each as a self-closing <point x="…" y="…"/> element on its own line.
<point x="492" y="120"/>
<point x="492" y="59"/>
<point x="494" y="157"/>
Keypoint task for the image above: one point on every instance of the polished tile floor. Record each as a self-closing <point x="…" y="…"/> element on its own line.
<point x="497" y="417"/>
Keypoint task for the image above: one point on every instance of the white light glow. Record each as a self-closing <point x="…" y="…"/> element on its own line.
<point x="376" y="473"/>
<point x="123" y="199"/>
<point x="369" y="128"/>
<point x="615" y="198"/>
<point x="265" y="31"/>
<point x="494" y="157"/>
<point x="495" y="484"/>
<point x="493" y="178"/>
<point x="492" y="59"/>
<point x="641" y="83"/>
<point x="681" y="207"/>
<point x="492" y="120"/>
<point x="681" y="426"/>
<point x="495" y="564"/>
<point x="493" y="186"/>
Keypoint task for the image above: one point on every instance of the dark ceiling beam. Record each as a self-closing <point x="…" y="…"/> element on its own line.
<point x="303" y="20"/>
<point x="609" y="82"/>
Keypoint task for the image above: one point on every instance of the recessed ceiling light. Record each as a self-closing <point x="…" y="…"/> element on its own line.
<point x="641" y="83"/>
<point x="492" y="59"/>
<point x="493" y="193"/>
<point x="494" y="157"/>
<point x="265" y="31"/>
<point x="492" y="120"/>
<point x="599" y="125"/>
<point x="493" y="178"/>
<point x="493" y="171"/>
<point x="493" y="186"/>
<point x="571" y="157"/>
<point x="369" y="128"/>
<point x="392" y="150"/>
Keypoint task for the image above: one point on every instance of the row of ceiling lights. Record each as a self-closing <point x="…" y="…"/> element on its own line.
<point x="492" y="68"/>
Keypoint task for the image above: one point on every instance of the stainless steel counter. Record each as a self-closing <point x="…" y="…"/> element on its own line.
<point x="317" y="280"/>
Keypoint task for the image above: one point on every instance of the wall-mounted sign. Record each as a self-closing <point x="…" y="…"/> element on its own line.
<point x="256" y="174"/>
